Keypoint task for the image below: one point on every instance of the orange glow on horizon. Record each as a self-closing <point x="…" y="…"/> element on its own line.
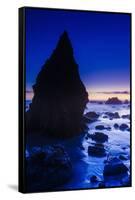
<point x="104" y="97"/>
<point x="93" y="96"/>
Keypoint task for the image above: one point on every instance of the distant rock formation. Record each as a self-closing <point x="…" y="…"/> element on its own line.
<point x="113" y="100"/>
<point x="60" y="96"/>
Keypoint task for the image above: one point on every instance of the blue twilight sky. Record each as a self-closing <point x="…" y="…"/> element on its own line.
<point x="101" y="43"/>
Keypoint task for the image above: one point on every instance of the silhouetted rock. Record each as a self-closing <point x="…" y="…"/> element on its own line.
<point x="92" y="116"/>
<point x="99" y="137"/>
<point x="97" y="151"/>
<point x="125" y="116"/>
<point x="114" y="115"/>
<point x="126" y="101"/>
<point x="105" y="116"/>
<point x="113" y="100"/>
<point x="128" y="129"/>
<point x="114" y="167"/>
<point x="48" y="168"/>
<point x="94" y="179"/>
<point x="102" y="127"/>
<point x="116" y="126"/>
<point x="60" y="96"/>
<point x="123" y="157"/>
<point x="123" y="127"/>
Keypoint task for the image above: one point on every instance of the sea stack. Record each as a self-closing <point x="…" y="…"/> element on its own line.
<point x="60" y="96"/>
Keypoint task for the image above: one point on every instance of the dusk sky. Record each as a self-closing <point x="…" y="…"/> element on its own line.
<point x="101" y="43"/>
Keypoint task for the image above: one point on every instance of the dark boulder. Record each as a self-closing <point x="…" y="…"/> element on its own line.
<point x="113" y="100"/>
<point x="102" y="127"/>
<point x="125" y="116"/>
<point x="48" y="168"/>
<point x="114" y="167"/>
<point x="60" y="96"/>
<point x="99" y="137"/>
<point x="105" y="116"/>
<point x="97" y="150"/>
<point x="92" y="116"/>
<point x="123" y="157"/>
<point x="116" y="126"/>
<point x="126" y="102"/>
<point x="123" y="127"/>
<point x="94" y="179"/>
<point x="114" y="115"/>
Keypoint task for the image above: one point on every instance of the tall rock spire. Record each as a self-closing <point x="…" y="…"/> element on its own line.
<point x="59" y="94"/>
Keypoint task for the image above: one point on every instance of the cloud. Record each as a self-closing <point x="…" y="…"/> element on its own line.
<point x="114" y="92"/>
<point x="29" y="91"/>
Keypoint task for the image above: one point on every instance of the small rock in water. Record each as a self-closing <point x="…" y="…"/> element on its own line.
<point x="116" y="126"/>
<point x="122" y="157"/>
<point x="102" y="127"/>
<point x="105" y="116"/>
<point x="94" y="179"/>
<point x="124" y="148"/>
<point x="114" y="115"/>
<point x="97" y="151"/>
<point x="114" y="167"/>
<point x="92" y="116"/>
<point x="99" y="137"/>
<point x="123" y="127"/>
<point x="125" y="116"/>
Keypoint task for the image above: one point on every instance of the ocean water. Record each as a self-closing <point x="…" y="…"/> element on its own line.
<point x="84" y="165"/>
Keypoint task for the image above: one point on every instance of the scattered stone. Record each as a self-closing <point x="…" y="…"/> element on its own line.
<point x="122" y="157"/>
<point x="125" y="116"/>
<point x="92" y="116"/>
<point x="102" y="127"/>
<point x="116" y="126"/>
<point x="94" y="179"/>
<point x="124" y="148"/>
<point x="97" y="150"/>
<point x="99" y="137"/>
<point x="123" y="127"/>
<point x="105" y="116"/>
<point x="114" y="115"/>
<point x="114" y="167"/>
